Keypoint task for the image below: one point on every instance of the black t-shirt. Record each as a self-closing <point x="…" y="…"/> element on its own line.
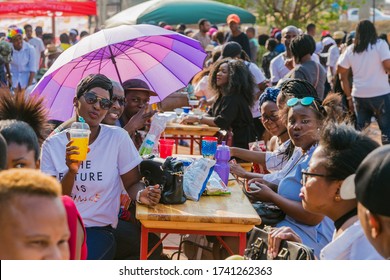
<point x="232" y="111"/>
<point x="242" y="39"/>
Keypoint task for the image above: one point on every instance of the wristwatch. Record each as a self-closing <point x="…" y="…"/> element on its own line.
<point x="138" y="196"/>
<point x="200" y="117"/>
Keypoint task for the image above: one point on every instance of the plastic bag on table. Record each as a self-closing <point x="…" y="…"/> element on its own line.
<point x="150" y="143"/>
<point x="215" y="186"/>
<point x="196" y="177"/>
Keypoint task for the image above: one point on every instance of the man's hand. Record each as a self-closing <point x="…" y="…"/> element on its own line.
<point x="189" y="120"/>
<point x="138" y="120"/>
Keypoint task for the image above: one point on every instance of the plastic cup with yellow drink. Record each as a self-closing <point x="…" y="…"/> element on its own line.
<point x="79" y="134"/>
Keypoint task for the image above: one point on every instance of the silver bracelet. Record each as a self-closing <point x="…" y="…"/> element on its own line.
<point x="138" y="196"/>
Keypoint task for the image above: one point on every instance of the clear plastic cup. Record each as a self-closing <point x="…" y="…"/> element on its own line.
<point x="166" y="147"/>
<point x="79" y="133"/>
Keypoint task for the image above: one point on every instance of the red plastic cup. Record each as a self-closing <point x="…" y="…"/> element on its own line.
<point x="166" y="147"/>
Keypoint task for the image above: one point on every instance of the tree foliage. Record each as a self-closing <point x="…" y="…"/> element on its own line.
<point x="296" y="12"/>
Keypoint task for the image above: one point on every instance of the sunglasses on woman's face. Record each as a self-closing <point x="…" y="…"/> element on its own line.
<point x="92" y="98"/>
<point x="306" y="101"/>
<point x="121" y="100"/>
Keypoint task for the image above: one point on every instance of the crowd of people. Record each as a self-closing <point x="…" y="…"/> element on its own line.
<point x="309" y="101"/>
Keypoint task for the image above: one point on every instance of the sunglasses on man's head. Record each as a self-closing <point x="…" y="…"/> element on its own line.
<point x="92" y="98"/>
<point x="121" y="100"/>
<point x="306" y="101"/>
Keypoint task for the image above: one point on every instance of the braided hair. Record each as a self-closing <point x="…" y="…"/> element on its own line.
<point x="365" y="35"/>
<point x="299" y="89"/>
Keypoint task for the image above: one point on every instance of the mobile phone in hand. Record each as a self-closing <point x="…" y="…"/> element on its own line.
<point x="252" y="186"/>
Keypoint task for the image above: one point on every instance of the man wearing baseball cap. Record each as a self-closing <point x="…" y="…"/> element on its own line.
<point x="73" y="33"/>
<point x="136" y="112"/>
<point x="236" y="34"/>
<point x="371" y="187"/>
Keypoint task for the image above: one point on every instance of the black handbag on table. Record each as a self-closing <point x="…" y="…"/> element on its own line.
<point x="257" y="248"/>
<point x="168" y="174"/>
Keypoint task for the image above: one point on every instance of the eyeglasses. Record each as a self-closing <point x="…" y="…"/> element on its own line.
<point x="273" y="118"/>
<point x="306" y="174"/>
<point x="121" y="100"/>
<point x="92" y="98"/>
<point x="306" y="101"/>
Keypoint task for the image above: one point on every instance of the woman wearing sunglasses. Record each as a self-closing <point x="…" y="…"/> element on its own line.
<point x="305" y="117"/>
<point x="340" y="151"/>
<point x="271" y="160"/>
<point x="111" y="166"/>
<point x="128" y="231"/>
<point x="233" y="84"/>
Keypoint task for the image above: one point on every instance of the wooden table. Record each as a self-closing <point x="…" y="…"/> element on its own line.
<point x="192" y="132"/>
<point x="229" y="215"/>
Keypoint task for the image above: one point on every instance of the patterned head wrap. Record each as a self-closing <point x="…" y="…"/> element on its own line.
<point x="14" y="31"/>
<point x="269" y="94"/>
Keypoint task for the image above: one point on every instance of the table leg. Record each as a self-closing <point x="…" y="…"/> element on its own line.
<point x="144" y="243"/>
<point x="242" y="243"/>
<point x="192" y="145"/>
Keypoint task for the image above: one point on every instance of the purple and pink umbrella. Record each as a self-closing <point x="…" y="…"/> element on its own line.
<point x="165" y="60"/>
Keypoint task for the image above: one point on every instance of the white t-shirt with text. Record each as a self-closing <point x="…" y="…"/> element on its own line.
<point x="98" y="185"/>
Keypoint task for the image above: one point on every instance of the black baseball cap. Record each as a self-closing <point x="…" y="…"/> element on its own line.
<point x="371" y="183"/>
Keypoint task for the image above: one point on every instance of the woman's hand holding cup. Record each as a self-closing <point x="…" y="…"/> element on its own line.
<point x="72" y="164"/>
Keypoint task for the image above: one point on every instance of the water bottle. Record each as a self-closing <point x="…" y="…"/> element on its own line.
<point x="222" y="156"/>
